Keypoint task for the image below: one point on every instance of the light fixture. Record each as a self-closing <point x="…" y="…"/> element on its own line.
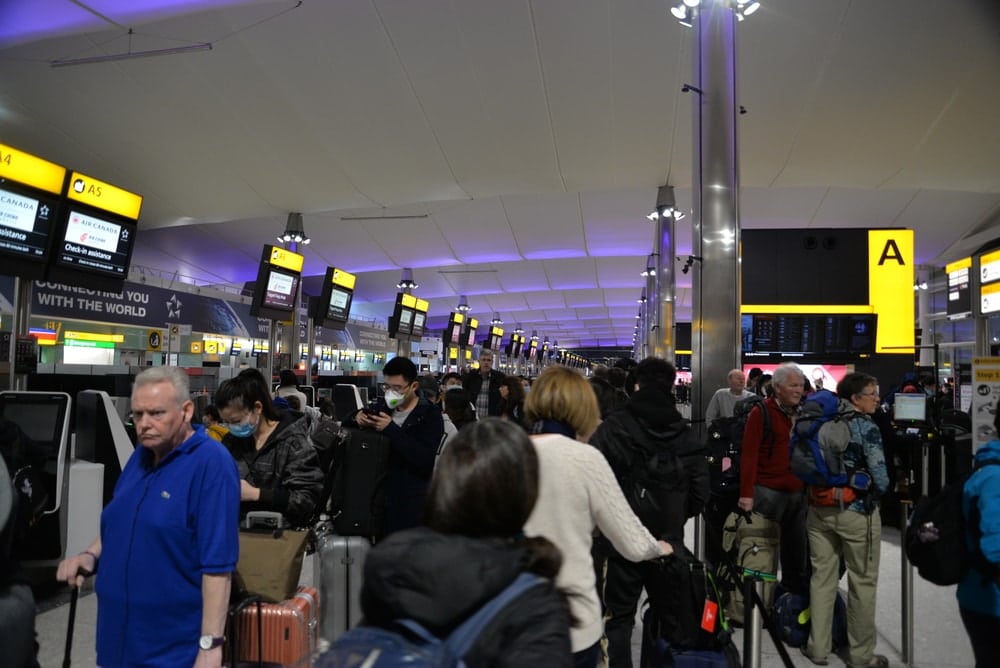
<point x="518" y="329"/>
<point x="497" y="320"/>
<point x="638" y="316"/>
<point x="685" y="10"/>
<point x="463" y="304"/>
<point x="691" y="259"/>
<point x="406" y="281"/>
<point x="294" y="232"/>
<point x="666" y="205"/>
<point x="642" y="298"/>
<point x="922" y="285"/>
<point x="650" y="265"/>
<point x="534" y="335"/>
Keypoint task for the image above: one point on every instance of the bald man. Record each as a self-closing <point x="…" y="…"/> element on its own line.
<point x="724" y="400"/>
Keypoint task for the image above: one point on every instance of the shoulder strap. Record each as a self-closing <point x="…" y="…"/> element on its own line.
<point x="462" y="638"/>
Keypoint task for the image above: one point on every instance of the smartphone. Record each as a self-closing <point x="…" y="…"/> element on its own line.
<point x="369" y="411"/>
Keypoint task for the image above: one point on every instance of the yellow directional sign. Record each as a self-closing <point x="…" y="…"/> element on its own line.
<point x="154" y="339"/>
<point x="196" y="347"/>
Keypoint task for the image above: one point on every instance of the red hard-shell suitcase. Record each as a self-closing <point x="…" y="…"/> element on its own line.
<point x="288" y="630"/>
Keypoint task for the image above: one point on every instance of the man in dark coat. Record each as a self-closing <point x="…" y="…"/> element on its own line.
<point x="483" y="387"/>
<point x="415" y="429"/>
<point x="648" y="427"/>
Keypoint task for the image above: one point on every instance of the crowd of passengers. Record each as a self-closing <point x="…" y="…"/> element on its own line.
<point x="490" y="476"/>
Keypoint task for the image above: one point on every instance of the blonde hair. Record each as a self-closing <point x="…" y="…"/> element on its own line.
<point x="560" y="393"/>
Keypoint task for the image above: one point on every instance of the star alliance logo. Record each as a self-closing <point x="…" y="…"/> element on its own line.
<point x="43" y="211"/>
<point x="174" y="306"/>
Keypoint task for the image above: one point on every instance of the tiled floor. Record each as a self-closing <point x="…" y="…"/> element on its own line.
<point x="939" y="639"/>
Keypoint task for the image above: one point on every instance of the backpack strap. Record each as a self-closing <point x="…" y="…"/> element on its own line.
<point x="462" y="638"/>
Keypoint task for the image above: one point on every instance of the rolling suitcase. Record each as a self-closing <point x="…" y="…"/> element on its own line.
<point x="284" y="633"/>
<point x="339" y="569"/>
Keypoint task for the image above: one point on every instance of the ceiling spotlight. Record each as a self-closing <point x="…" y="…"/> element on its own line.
<point x="518" y="329"/>
<point x="406" y="281"/>
<point x="496" y="319"/>
<point x="650" y="265"/>
<point x="463" y="304"/>
<point x="294" y="232"/>
<point x="534" y="335"/>
<point x="642" y="298"/>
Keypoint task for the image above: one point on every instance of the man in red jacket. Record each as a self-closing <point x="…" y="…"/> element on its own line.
<point x="767" y="485"/>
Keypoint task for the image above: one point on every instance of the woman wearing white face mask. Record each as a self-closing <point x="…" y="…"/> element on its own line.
<point x="277" y="461"/>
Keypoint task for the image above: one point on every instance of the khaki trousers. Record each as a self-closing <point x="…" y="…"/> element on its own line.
<point x="835" y="533"/>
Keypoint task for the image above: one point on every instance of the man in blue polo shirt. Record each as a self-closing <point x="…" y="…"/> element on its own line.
<point x="169" y="538"/>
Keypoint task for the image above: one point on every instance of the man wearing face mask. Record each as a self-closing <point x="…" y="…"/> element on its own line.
<point x="414" y="427"/>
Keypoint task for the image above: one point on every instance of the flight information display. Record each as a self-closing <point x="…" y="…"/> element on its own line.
<point x="280" y="290"/>
<point x="827" y="336"/>
<point x="96" y="244"/>
<point x="25" y="222"/>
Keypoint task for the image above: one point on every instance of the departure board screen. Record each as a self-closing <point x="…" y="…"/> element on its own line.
<point x="826" y="336"/>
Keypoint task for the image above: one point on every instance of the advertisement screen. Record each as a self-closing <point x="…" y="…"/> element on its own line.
<point x="280" y="291"/>
<point x="25" y="223"/>
<point x="339" y="307"/>
<point x="96" y="244"/>
<point x="405" y="321"/>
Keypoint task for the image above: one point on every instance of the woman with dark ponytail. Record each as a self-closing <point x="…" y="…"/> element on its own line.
<point x="484" y="488"/>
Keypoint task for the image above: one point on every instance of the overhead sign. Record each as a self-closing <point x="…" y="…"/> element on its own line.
<point x="279" y="257"/>
<point x="890" y="288"/>
<point x="29" y="170"/>
<point x="154" y="340"/>
<point x="104" y="196"/>
<point x="959" y="297"/>
<point x="989" y="267"/>
<point x="343" y="279"/>
<point x="88" y="336"/>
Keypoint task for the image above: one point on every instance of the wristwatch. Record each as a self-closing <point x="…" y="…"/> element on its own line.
<point x="210" y="642"/>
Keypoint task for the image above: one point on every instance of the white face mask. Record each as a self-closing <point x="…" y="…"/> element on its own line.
<point x="393" y="398"/>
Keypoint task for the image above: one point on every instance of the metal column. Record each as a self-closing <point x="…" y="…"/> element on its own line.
<point x="662" y="298"/>
<point x="716" y="227"/>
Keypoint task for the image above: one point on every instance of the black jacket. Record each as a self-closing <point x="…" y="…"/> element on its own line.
<point x="473" y="382"/>
<point x="286" y="469"/>
<point x="414" y="447"/>
<point x="439" y="580"/>
<point x="649" y="423"/>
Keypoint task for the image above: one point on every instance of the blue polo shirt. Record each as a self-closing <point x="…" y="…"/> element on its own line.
<point x="164" y="528"/>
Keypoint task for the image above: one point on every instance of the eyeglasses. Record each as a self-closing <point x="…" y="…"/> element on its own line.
<point x="873" y="395"/>
<point x="395" y="388"/>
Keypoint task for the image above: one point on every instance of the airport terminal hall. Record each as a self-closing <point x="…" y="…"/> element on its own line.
<point x="500" y="333"/>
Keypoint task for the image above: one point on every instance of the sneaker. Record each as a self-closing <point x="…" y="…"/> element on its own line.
<point x="818" y="662"/>
<point x="877" y="661"/>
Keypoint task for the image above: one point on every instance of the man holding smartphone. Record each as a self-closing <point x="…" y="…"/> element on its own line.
<point x="414" y="428"/>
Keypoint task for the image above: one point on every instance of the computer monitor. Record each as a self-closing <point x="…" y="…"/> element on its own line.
<point x="909" y="408"/>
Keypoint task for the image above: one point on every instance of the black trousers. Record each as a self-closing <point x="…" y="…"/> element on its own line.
<point x="983" y="632"/>
<point x="622" y="589"/>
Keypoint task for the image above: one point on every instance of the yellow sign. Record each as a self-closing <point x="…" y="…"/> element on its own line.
<point x="890" y="288"/>
<point x="964" y="263"/>
<point x="87" y="336"/>
<point x="211" y="347"/>
<point x="408" y="300"/>
<point x="423" y="305"/>
<point x="154" y="339"/>
<point x="458" y="317"/>
<point x="29" y="170"/>
<point x="105" y="196"/>
<point x="473" y="323"/>
<point x="808" y="309"/>
<point x="196" y="347"/>
<point x="453" y="353"/>
<point x="280" y="257"/>
<point x="343" y="279"/>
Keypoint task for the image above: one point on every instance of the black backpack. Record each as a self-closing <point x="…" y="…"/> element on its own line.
<point x="686" y="602"/>
<point x="935" y="535"/>
<point x="657" y="484"/>
<point x="741" y="413"/>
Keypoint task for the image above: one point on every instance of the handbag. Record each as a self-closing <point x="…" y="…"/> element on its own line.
<point x="270" y="560"/>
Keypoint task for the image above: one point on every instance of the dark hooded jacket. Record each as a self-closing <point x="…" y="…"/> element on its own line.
<point x="440" y="580"/>
<point x="630" y="437"/>
<point x="286" y="469"/>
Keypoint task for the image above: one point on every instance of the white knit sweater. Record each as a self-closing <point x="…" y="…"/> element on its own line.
<point x="577" y="492"/>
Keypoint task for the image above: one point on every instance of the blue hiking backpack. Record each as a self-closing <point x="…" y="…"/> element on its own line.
<point x="819" y="438"/>
<point x="413" y="646"/>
